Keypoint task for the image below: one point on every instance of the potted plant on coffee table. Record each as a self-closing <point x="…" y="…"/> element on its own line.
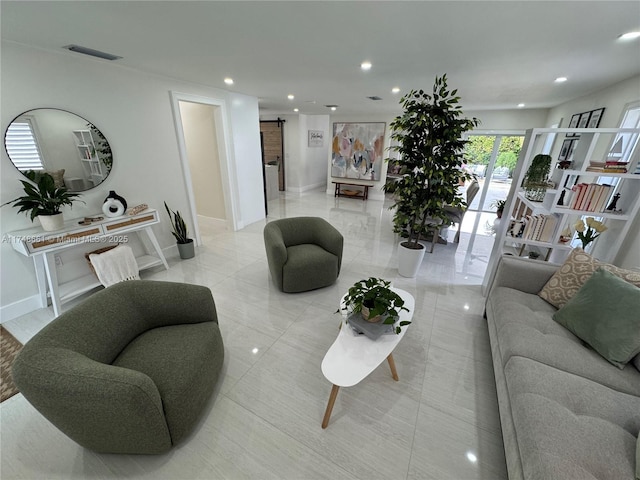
<point x="429" y="142"/>
<point x="374" y="299"/>
<point x="43" y="200"/>
<point x="185" y="244"/>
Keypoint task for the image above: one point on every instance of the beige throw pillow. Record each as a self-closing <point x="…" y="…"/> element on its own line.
<point x="574" y="272"/>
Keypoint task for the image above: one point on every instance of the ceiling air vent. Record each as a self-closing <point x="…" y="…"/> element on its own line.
<point x="375" y="98"/>
<point x="92" y="52"/>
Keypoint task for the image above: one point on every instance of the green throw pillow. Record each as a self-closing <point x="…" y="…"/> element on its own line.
<point x="605" y="313"/>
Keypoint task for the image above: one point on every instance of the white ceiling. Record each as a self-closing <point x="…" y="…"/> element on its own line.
<point x="498" y="54"/>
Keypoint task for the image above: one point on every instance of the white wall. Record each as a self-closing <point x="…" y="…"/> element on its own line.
<point x="305" y="167"/>
<point x="247" y="157"/>
<point x="613" y="99"/>
<point x="313" y="160"/>
<point x="133" y="111"/>
<point x="520" y="119"/>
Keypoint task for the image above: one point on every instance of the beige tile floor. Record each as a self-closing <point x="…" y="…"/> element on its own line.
<point x="440" y="421"/>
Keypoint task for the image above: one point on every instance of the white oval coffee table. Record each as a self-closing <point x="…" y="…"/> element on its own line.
<point x="352" y="357"/>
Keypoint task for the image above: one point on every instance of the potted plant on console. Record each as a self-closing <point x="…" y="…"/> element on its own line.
<point x="429" y="140"/>
<point x="376" y="302"/>
<point x="43" y="200"/>
<point x="185" y="244"/>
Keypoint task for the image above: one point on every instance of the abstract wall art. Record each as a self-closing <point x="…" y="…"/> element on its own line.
<point x="356" y="150"/>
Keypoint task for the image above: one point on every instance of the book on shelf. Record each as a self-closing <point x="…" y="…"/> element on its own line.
<point x="590" y="197"/>
<point x="549" y="227"/>
<point x="609" y="166"/>
<point x="541" y="220"/>
<point x="539" y="227"/>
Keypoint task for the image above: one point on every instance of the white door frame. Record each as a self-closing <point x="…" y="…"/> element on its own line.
<point x="225" y="153"/>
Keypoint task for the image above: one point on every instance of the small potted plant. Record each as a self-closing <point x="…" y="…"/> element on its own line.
<point x="43" y="200"/>
<point x="185" y="244"/>
<point x="375" y="300"/>
<point x="536" y="179"/>
<point x="499" y="205"/>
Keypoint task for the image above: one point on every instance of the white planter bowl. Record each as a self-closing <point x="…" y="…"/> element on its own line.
<point x="51" y="222"/>
<point x="409" y="260"/>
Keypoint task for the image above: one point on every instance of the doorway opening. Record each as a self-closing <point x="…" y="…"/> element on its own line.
<point x="203" y="141"/>
<point x="272" y="135"/>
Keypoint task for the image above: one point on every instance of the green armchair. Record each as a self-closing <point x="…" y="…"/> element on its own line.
<point x="129" y="370"/>
<point x="304" y="253"/>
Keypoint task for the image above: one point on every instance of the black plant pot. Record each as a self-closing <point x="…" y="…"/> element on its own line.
<point x="187" y="250"/>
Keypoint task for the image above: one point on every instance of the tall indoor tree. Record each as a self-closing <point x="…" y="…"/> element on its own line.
<point x="428" y="137"/>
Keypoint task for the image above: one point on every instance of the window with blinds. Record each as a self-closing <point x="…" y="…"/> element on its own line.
<point x="22" y="147"/>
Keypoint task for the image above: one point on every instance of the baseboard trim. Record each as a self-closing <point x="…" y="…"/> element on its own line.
<point x="19" y="308"/>
<point x="306" y="188"/>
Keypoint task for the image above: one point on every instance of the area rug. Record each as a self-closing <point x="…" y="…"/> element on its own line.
<point x="9" y="348"/>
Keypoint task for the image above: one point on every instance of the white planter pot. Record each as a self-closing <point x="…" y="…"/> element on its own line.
<point x="51" y="222"/>
<point x="409" y="260"/>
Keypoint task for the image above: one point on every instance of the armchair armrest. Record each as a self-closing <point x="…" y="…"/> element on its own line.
<point x="276" y="251"/>
<point x="331" y="240"/>
<point x="81" y="397"/>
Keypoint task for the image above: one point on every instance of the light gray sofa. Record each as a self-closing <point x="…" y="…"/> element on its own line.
<point x="566" y="412"/>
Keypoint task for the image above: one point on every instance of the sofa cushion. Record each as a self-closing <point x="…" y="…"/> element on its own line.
<point x="524" y="327"/>
<point x="574" y="272"/>
<point x="605" y="313"/>
<point x="569" y="427"/>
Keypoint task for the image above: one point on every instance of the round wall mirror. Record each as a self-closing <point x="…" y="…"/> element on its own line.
<point x="68" y="147"/>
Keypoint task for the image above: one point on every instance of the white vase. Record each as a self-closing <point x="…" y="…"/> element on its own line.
<point x="409" y="260"/>
<point x="51" y="222"/>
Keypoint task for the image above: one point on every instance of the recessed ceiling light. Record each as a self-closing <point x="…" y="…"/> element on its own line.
<point x="228" y="81"/>
<point x="520" y="105"/>
<point x="296" y="109"/>
<point x="629" y="36"/>
<point x="395" y="89"/>
<point x="365" y="65"/>
<point x="560" y="79"/>
<point x="333" y="109"/>
<point x="290" y="97"/>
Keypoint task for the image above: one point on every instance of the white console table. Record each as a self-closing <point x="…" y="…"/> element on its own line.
<point x="42" y="247"/>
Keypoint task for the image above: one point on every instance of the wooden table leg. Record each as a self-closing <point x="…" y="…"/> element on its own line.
<point x="332" y="400"/>
<point x="392" y="365"/>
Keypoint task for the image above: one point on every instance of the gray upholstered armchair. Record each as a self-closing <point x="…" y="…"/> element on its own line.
<point x="129" y="370"/>
<point x="304" y="253"/>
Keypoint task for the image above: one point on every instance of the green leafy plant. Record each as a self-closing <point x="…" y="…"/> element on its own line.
<point x="429" y="140"/>
<point x="499" y="206"/>
<point x="536" y="178"/>
<point x="42" y="196"/>
<point x="376" y="295"/>
<point x="103" y="147"/>
<point x="178" y="225"/>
